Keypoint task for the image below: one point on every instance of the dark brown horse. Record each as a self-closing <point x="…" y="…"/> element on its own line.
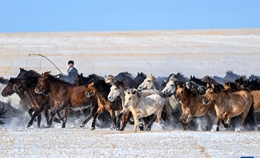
<point x="9" y="90"/>
<point x="101" y="89"/>
<point x="65" y="96"/>
<point x="40" y="103"/>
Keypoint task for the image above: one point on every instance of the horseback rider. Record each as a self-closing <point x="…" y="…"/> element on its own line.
<point x="72" y="73"/>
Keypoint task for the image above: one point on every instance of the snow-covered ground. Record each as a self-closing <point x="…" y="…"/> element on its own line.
<point x="198" y="52"/>
<point x="77" y="142"/>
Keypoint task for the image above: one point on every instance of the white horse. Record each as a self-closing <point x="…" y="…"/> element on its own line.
<point x="141" y="106"/>
<point x="117" y="90"/>
<point x="150" y="83"/>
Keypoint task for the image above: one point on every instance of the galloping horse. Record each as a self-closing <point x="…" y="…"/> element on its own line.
<point x="117" y="90"/>
<point x="39" y="102"/>
<point x="230" y="104"/>
<point x="100" y="89"/>
<point x="143" y="106"/>
<point x="65" y="96"/>
<point x="192" y="106"/>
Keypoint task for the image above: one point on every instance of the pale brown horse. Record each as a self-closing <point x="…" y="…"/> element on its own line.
<point x="65" y="96"/>
<point x="230" y="104"/>
<point x="192" y="105"/>
<point x="100" y="89"/>
<point x="233" y="87"/>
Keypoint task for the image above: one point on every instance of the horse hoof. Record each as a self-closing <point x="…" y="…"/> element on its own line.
<point x="148" y="129"/>
<point x="81" y="126"/>
<point x="121" y="129"/>
<point x="57" y="120"/>
<point x="29" y="125"/>
<point x="92" y="128"/>
<point x="48" y="126"/>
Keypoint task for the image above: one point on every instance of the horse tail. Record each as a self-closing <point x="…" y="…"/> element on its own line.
<point x="3" y="114"/>
<point x="250" y="118"/>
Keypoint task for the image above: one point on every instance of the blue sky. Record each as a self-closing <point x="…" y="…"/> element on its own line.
<point x="125" y="15"/>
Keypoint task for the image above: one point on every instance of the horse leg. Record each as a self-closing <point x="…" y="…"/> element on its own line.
<point x="46" y="114"/>
<point x="136" y="124"/>
<point x="30" y="111"/>
<point x="38" y="115"/>
<point x="218" y="124"/>
<point x="39" y="119"/>
<point x="99" y="111"/>
<point x="112" y="114"/>
<point x="209" y="125"/>
<point x="126" y="118"/>
<point x="65" y="114"/>
<point x="149" y="126"/>
<point x="181" y="118"/>
<point x="53" y="113"/>
<point x="93" y="110"/>
<point x="188" y="120"/>
<point x="225" y="115"/>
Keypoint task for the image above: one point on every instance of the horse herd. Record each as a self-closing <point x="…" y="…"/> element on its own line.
<point x="139" y="101"/>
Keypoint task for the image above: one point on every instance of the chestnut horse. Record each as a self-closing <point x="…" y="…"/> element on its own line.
<point x="65" y="96"/>
<point x="230" y="104"/>
<point x="192" y="105"/>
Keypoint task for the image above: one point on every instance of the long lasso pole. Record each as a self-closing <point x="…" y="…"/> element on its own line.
<point x="47" y="59"/>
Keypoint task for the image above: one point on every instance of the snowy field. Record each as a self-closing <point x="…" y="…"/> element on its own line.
<point x="199" y="53"/>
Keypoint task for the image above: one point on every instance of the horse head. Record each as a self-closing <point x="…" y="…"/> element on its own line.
<point x="170" y="88"/>
<point x="148" y="83"/>
<point x="181" y="88"/>
<point x="43" y="86"/>
<point x="90" y="90"/>
<point x="115" y="90"/>
<point x="131" y="97"/>
<point x="109" y="79"/>
<point x="9" y="88"/>
<point x="210" y="94"/>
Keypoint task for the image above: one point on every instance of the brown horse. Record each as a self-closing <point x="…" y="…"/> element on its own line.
<point x="40" y="103"/>
<point x="192" y="106"/>
<point x="65" y="96"/>
<point x="9" y="90"/>
<point x="230" y="104"/>
<point x="100" y="89"/>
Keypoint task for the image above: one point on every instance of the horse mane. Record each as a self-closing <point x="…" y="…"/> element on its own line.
<point x="217" y="88"/>
<point x="101" y="86"/>
<point x="198" y="81"/>
<point x="188" y="90"/>
<point x="54" y="79"/>
<point x="123" y="76"/>
<point x="119" y="84"/>
<point x="3" y="81"/>
<point x="210" y="80"/>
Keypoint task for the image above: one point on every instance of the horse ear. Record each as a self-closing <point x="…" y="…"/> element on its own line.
<point x="190" y="76"/>
<point x="212" y="85"/>
<point x="208" y="85"/>
<point x="184" y="86"/>
<point x="81" y="74"/>
<point x="105" y="76"/>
